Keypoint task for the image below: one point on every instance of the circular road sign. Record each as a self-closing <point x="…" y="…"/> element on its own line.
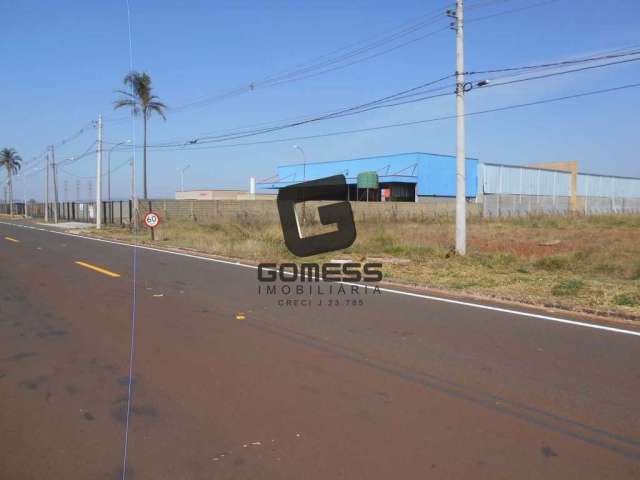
<point x="151" y="219"/>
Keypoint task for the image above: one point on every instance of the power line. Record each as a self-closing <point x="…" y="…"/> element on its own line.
<point x="483" y="4"/>
<point x="75" y="135"/>
<point x="416" y="122"/>
<point x="339" y="113"/>
<point x="412" y="95"/>
<point x="378" y="103"/>
<point x="329" y="62"/>
<point x="306" y="72"/>
<point x="508" y="12"/>
<point x="67" y="161"/>
<point x="554" y="64"/>
<point x="113" y="170"/>
<point x="34" y="160"/>
<point x="302" y="119"/>
<point x="74" y="158"/>
<point x="383" y="52"/>
<point x="565" y="72"/>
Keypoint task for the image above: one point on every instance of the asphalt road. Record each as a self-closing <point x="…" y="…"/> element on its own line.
<point x="230" y="385"/>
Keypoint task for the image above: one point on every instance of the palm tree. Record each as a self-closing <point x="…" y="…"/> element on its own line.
<point x="140" y="100"/>
<point x="10" y="159"/>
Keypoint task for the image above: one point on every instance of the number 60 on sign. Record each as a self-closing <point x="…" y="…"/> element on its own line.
<point x="151" y="219"/>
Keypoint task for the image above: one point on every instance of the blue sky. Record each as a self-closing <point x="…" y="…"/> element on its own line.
<point x="63" y="60"/>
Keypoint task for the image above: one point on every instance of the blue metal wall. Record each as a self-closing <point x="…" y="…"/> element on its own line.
<point x="438" y="176"/>
<point x="434" y="175"/>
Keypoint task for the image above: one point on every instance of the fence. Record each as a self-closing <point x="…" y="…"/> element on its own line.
<point x="211" y="211"/>
<point x="508" y="205"/>
<point x="114" y="213"/>
<point x="506" y="190"/>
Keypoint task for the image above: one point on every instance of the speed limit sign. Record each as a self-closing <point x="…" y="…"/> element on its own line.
<point x="151" y="219"/>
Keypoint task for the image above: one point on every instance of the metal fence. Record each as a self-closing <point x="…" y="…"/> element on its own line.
<point x="506" y="190"/>
<point x="509" y="205"/>
<point x="118" y="212"/>
<point x="516" y="180"/>
<point x="213" y="211"/>
<point x="590" y="185"/>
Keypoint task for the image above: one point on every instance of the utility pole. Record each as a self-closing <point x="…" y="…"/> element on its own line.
<point x="66" y="190"/>
<point x="461" y="195"/>
<point x="46" y="186"/>
<point x="90" y="190"/>
<point x="99" y="176"/>
<point x="77" y="190"/>
<point x="55" y="186"/>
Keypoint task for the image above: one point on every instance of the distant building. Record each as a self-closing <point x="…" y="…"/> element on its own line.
<point x="403" y="177"/>
<point x="503" y="189"/>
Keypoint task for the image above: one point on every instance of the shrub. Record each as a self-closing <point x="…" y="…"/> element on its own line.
<point x="626" y="300"/>
<point x="552" y="263"/>
<point x="567" y="288"/>
<point x="635" y="275"/>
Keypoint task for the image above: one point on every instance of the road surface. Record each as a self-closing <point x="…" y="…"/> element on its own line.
<point x="227" y="384"/>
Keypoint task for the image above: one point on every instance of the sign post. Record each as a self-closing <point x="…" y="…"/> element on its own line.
<point x="152" y="220"/>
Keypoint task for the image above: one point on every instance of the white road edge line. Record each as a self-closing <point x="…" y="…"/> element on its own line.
<point x="383" y="289"/>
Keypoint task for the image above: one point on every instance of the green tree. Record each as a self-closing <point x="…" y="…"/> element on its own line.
<point x="10" y="160"/>
<point x="141" y="101"/>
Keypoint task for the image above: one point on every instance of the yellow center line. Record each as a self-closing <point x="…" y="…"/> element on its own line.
<point x="12" y="239"/>
<point x="97" y="269"/>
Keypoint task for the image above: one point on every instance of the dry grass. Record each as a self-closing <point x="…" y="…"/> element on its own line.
<point x="584" y="263"/>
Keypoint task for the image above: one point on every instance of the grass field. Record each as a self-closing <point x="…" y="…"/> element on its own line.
<point x="588" y="264"/>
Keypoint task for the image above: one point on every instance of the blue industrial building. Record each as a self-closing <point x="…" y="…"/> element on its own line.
<point x="415" y="177"/>
<point x="406" y="176"/>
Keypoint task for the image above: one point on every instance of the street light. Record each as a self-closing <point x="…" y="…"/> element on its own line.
<point x="109" y="167"/>
<point x="304" y="165"/>
<point x="182" y="170"/>
<point x="304" y="179"/>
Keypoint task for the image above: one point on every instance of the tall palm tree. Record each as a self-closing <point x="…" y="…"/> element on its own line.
<point x="141" y="101"/>
<point x="10" y="159"/>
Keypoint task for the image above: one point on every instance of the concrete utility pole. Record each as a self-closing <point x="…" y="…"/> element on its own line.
<point x="77" y="190"/>
<point x="46" y="186"/>
<point x="55" y="186"/>
<point x="461" y="195"/>
<point x="99" y="176"/>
